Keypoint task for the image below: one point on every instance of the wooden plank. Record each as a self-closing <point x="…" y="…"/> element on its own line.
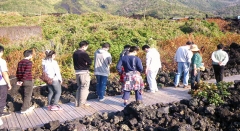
<point x="87" y="110"/>
<point x="43" y="116"/>
<point x="33" y="122"/>
<point x="12" y="121"/>
<point x="53" y="115"/>
<point x="22" y="121"/>
<point x="84" y="111"/>
<point x="99" y="109"/>
<point x="179" y="93"/>
<point x="71" y="111"/>
<point x="113" y="103"/>
<point x="5" y="123"/>
<point x="33" y="117"/>
<point x="63" y="114"/>
<point x="66" y="112"/>
<point x="29" y="123"/>
<point x="153" y="98"/>
<point x="105" y="106"/>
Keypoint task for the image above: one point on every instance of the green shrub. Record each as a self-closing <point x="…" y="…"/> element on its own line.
<point x="214" y="94"/>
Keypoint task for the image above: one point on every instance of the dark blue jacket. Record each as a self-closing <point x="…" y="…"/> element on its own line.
<point x="129" y="63"/>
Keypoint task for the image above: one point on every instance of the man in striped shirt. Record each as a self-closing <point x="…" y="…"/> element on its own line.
<point x="24" y="77"/>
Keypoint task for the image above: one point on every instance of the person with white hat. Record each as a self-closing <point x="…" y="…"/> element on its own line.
<point x="196" y="63"/>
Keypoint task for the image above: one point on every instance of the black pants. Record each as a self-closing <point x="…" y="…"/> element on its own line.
<point x="195" y="78"/>
<point x="26" y="91"/>
<point x="3" y="97"/>
<point x="218" y="71"/>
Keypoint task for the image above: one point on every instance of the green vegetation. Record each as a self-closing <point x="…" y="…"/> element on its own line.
<point x="63" y="34"/>
<point x="214" y="94"/>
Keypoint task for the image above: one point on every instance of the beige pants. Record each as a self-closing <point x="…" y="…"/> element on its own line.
<point x="83" y="82"/>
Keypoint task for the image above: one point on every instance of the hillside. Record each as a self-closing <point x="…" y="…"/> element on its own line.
<point x="63" y="33"/>
<point x="156" y="8"/>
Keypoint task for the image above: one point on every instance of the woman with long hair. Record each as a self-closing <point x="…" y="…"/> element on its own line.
<point x="51" y="68"/>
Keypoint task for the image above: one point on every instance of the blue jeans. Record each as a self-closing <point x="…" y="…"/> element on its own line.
<point x="183" y="67"/>
<point x="56" y="90"/>
<point x="101" y="85"/>
<point x="126" y="95"/>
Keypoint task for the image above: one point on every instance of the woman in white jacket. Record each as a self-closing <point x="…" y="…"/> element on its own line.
<point x="51" y="68"/>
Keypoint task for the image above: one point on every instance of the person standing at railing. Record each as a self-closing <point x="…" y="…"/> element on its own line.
<point x="5" y="85"/>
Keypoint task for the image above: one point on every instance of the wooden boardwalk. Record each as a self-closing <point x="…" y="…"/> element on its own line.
<point x="39" y="116"/>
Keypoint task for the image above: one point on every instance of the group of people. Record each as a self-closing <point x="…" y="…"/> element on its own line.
<point x="129" y="67"/>
<point x="189" y="60"/>
<point x="25" y="81"/>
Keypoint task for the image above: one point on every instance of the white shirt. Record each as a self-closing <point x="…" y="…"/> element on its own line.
<point x="52" y="69"/>
<point x="153" y="61"/>
<point x="220" y="56"/>
<point x="183" y="54"/>
<point x="3" y="68"/>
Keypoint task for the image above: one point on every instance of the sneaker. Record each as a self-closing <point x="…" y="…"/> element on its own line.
<point x="5" y="114"/>
<point x="156" y="90"/>
<point x="185" y="86"/>
<point x="102" y="99"/>
<point x="28" y="110"/>
<point x="56" y="108"/>
<point x="1" y="122"/>
<point x="176" y="86"/>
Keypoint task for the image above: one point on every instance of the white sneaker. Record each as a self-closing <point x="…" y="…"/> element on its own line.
<point x="156" y="90"/>
<point x="102" y="99"/>
<point x="28" y="110"/>
<point x="1" y="122"/>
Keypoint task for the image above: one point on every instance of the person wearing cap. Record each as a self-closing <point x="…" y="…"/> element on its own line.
<point x="196" y="63"/>
<point x="183" y="58"/>
<point x="219" y="60"/>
